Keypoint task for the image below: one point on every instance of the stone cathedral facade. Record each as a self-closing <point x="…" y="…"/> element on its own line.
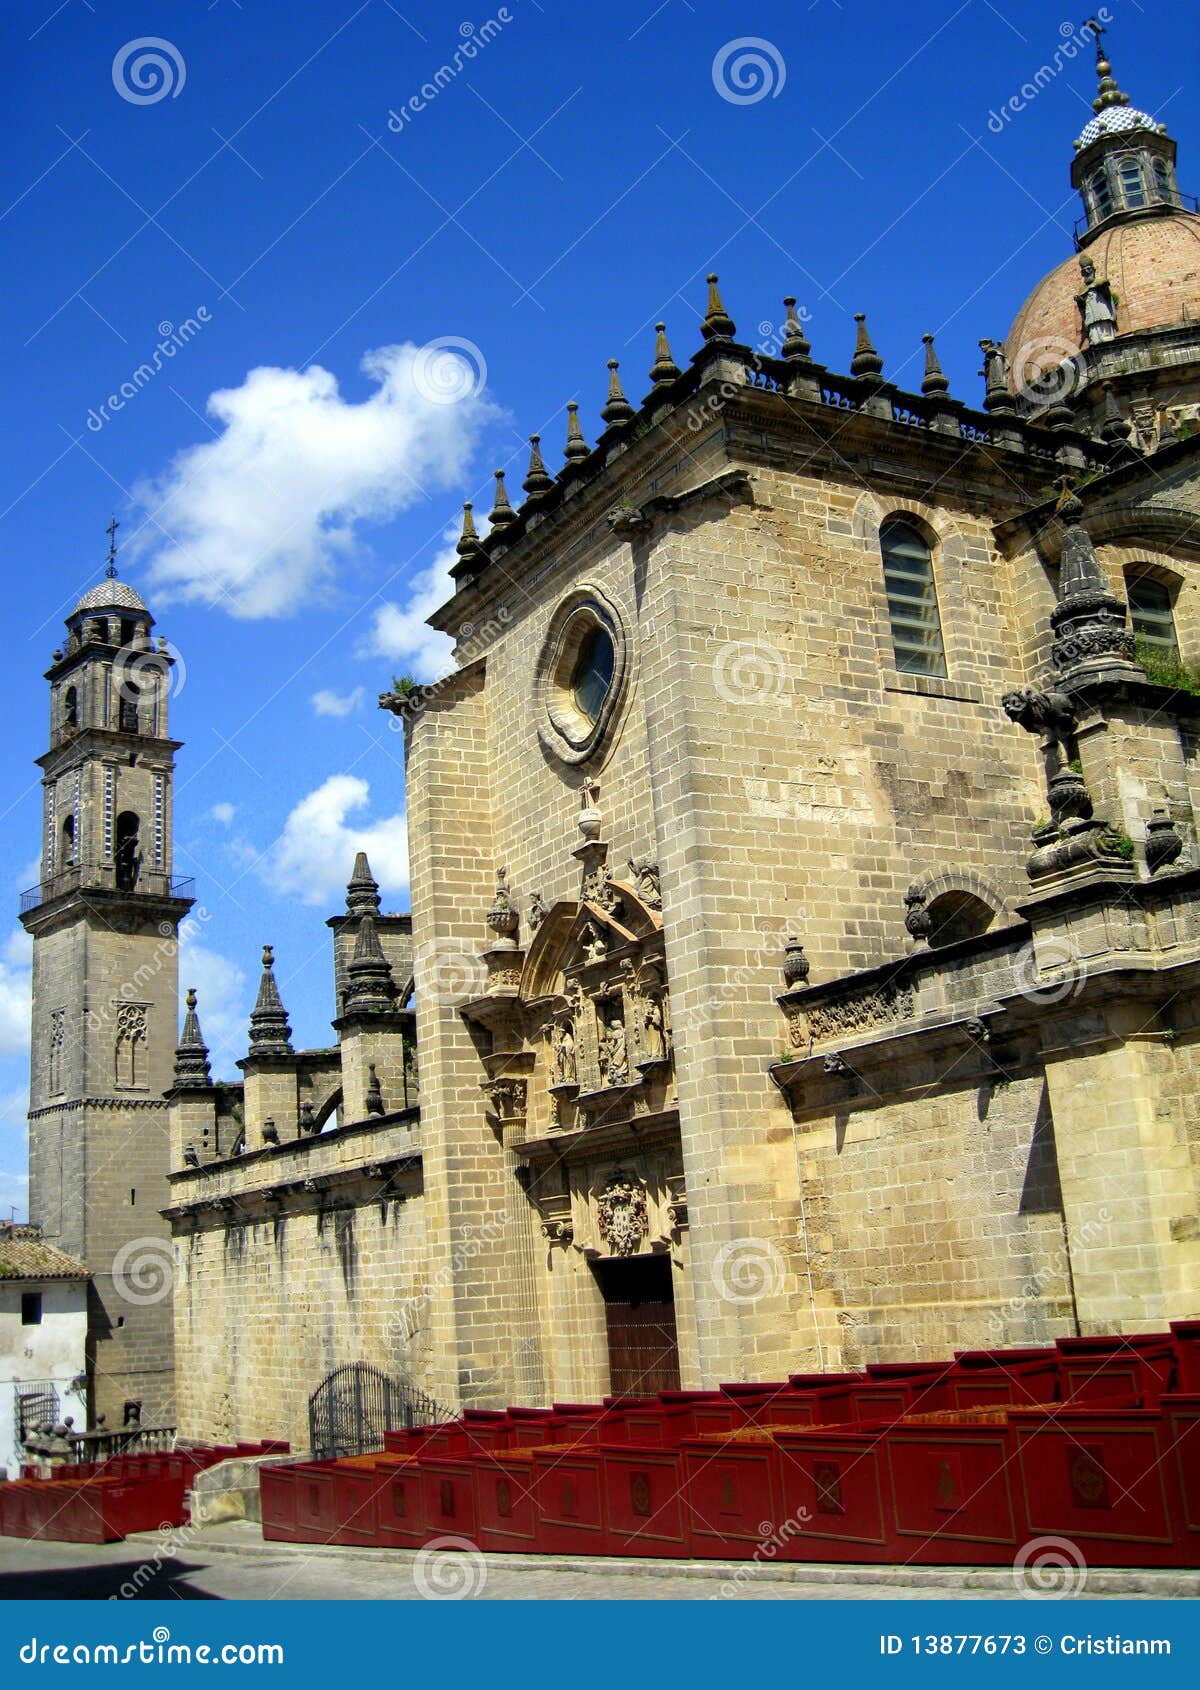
<point x="803" y="966"/>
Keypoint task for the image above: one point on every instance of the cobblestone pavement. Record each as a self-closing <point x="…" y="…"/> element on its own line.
<point x="231" y="1562"/>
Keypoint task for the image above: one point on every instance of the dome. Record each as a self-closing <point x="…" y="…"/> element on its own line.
<point x="1153" y="267"/>
<point x="1116" y="120"/>
<point x="111" y="594"/>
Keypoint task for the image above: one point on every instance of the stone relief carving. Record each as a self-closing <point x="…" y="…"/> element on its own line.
<point x="614" y="1042"/>
<point x="643" y="877"/>
<point x="857" y="1012"/>
<point x="621" y="1213"/>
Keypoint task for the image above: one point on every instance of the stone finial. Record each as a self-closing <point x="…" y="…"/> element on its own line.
<point x="502" y="918"/>
<point x="370" y="988"/>
<point x="1089" y="620"/>
<point x="374" y="1098"/>
<point x="717" y="324"/>
<point x="270" y="1034"/>
<point x="362" y="890"/>
<point x="917" y="918"/>
<point x="1114" y="430"/>
<point x="576" y="446"/>
<point x="539" y="479"/>
<point x="191" y="1053"/>
<point x="501" y="513"/>
<point x="794" y="343"/>
<point x="664" y="369"/>
<point x="866" y="361"/>
<point x="616" y="408"/>
<point x="796" y="965"/>
<point x="1163" y="842"/>
<point x="469" y="544"/>
<point x="934" y="383"/>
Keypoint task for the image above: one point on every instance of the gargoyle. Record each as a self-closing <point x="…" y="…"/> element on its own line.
<point x="1050" y="713"/>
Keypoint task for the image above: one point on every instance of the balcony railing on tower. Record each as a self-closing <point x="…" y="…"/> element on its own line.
<point x="103" y="877"/>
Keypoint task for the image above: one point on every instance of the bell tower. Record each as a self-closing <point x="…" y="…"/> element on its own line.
<point x="105" y="921"/>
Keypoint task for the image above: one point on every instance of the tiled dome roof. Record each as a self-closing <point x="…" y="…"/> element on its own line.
<point x="1153" y="267"/>
<point x="1115" y="120"/>
<point x="110" y="594"/>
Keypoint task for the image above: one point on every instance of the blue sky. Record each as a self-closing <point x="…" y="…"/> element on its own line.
<point x="276" y="199"/>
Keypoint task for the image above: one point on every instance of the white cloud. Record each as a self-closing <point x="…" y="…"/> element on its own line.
<point x="314" y="854"/>
<point x="223" y="813"/>
<point x="223" y="1002"/>
<point x="15" y="989"/>
<point x="326" y="703"/>
<point x="398" y="631"/>
<point x="258" y="519"/>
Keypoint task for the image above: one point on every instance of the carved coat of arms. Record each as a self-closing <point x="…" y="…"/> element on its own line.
<point x="622" y="1215"/>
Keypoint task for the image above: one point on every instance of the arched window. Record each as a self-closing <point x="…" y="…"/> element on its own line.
<point x="1133" y="188"/>
<point x="1101" y="192"/>
<point x="68" y="841"/>
<point x="127" y="855"/>
<point x="1151" y="615"/>
<point x="1163" y="182"/>
<point x="70" y="708"/>
<point x="912" y="599"/>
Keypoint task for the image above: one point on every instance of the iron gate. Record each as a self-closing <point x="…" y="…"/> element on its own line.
<point x="349" y="1412"/>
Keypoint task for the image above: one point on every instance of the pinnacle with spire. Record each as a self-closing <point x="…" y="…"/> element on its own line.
<point x="1089" y="620"/>
<point x="270" y="1034"/>
<point x="539" y="479"/>
<point x="866" y="361"/>
<point x="110" y="568"/>
<point x="370" y="988"/>
<point x="717" y="324"/>
<point x="1108" y="93"/>
<point x="469" y="544"/>
<point x="934" y="383"/>
<point x="576" y="446"/>
<point x="664" y="369"/>
<point x="362" y="890"/>
<point x="794" y="343"/>
<point x="501" y="513"/>
<point x="616" y="409"/>
<point x="191" y="1053"/>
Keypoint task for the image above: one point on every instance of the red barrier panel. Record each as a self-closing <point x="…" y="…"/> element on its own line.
<point x="643" y="1501"/>
<point x="1182" y="1413"/>
<point x="1136" y="1368"/>
<point x="1185" y="1335"/>
<point x="730" y="1492"/>
<point x="277" y="1503"/>
<point x="398" y="1508"/>
<point x="506" y="1519"/>
<point x="569" y="1500"/>
<point x="954" y="1492"/>
<point x="982" y="1378"/>
<point x="835" y="1498"/>
<point x="448" y="1495"/>
<point x="1100" y="1477"/>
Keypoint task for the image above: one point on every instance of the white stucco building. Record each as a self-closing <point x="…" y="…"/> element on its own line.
<point x="43" y="1335"/>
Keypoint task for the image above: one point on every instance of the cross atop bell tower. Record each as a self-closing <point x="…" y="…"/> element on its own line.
<point x="105" y="918"/>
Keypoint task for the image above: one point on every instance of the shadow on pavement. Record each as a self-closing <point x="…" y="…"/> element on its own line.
<point x="133" y="1580"/>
